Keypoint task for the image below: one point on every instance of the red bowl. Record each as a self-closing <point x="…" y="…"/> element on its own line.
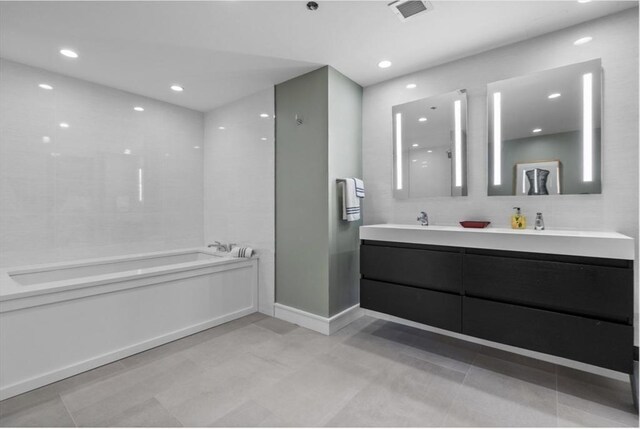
<point x="474" y="224"/>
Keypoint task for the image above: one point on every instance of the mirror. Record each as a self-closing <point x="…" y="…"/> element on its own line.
<point x="544" y="132"/>
<point x="430" y="146"/>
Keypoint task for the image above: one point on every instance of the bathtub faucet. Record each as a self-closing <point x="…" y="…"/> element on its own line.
<point x="222" y="247"/>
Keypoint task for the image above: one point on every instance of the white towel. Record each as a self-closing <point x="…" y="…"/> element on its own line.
<point x="350" y="202"/>
<point x="242" y="252"/>
<point x="359" y="187"/>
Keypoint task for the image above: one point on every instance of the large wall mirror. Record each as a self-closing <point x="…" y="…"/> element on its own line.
<point x="544" y="132"/>
<point x="430" y="146"/>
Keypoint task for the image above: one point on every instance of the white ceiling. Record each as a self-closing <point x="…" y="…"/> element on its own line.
<point x="222" y="51"/>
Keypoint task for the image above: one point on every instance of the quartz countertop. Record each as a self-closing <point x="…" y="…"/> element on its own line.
<point x="598" y="244"/>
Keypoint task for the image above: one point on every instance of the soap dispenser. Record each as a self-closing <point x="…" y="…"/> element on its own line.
<point x="518" y="220"/>
<point x="539" y="224"/>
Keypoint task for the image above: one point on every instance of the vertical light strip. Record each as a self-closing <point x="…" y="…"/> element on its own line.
<point x="535" y="181"/>
<point x="458" y="142"/>
<point x="497" y="139"/>
<point x="398" y="151"/>
<point x="587" y="127"/>
<point x="140" y="191"/>
<point x="524" y="181"/>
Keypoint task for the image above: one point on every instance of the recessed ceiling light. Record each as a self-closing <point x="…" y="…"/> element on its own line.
<point x="177" y="88"/>
<point x="196" y="147"/>
<point x="127" y="152"/>
<point x="537" y="130"/>
<point x="46" y="139"/>
<point x="411" y="86"/>
<point x="584" y="1"/>
<point x="555" y="95"/>
<point x="45" y="86"/>
<point x="429" y="151"/>
<point x="264" y="115"/>
<point x="424" y="162"/>
<point x="384" y="64"/>
<point x="64" y="125"/>
<point x="263" y="139"/>
<point x="55" y="154"/>
<point x="221" y="128"/>
<point x="415" y="145"/>
<point x="583" y="40"/>
<point x="138" y="109"/>
<point x="423" y="119"/>
<point x="413" y="160"/>
<point x="68" y="53"/>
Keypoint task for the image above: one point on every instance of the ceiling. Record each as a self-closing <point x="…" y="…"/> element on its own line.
<point x="221" y="51"/>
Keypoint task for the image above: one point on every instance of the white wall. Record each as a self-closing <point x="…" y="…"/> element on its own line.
<point x="75" y="195"/>
<point x="239" y="173"/>
<point x="615" y="40"/>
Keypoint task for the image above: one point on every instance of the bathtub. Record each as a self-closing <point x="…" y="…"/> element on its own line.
<point x="58" y="320"/>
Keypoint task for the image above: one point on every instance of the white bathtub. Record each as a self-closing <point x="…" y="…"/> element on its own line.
<point x="61" y="319"/>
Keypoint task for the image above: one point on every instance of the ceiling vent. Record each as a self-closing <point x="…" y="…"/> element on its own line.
<point x="407" y="9"/>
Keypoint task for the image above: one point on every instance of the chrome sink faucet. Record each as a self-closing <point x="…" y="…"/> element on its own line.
<point x="423" y="219"/>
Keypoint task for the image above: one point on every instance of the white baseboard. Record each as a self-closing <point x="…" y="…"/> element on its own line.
<point x="324" y="325"/>
<point x="77" y="368"/>
<point x="524" y="352"/>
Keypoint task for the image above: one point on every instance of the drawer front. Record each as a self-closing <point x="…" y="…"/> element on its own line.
<point x="442" y="310"/>
<point x="590" y="290"/>
<point x="414" y="267"/>
<point x="604" y="344"/>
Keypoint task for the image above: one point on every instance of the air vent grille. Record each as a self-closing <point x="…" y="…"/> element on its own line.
<point x="409" y="8"/>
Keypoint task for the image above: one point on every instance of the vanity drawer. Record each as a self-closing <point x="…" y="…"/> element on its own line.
<point x="590" y="290"/>
<point x="439" y="309"/>
<point x="431" y="269"/>
<point x="605" y="344"/>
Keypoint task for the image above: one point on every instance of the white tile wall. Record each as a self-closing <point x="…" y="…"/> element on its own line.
<point x="615" y="40"/>
<point x="69" y="193"/>
<point x="239" y="203"/>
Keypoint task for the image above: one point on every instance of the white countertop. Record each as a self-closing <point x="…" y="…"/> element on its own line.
<point x="598" y="244"/>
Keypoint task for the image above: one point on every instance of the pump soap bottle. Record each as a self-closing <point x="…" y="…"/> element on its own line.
<point x="518" y="220"/>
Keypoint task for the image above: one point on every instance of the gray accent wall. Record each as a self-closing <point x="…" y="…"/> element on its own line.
<point x="302" y="230"/>
<point x="345" y="160"/>
<point x="317" y="261"/>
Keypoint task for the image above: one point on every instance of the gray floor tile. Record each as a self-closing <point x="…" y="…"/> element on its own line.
<point x="147" y="414"/>
<point x="600" y="396"/>
<point x="258" y="371"/>
<point x="518" y="371"/>
<point x="248" y="414"/>
<point x="462" y="416"/>
<point x="206" y="397"/>
<point x="276" y="325"/>
<point x="99" y="403"/>
<point x="410" y="392"/>
<point x="311" y="395"/>
<point x="52" y="413"/>
<point x="573" y="417"/>
<point x="511" y="400"/>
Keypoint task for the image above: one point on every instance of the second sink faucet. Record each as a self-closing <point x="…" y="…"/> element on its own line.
<point x="423" y="219"/>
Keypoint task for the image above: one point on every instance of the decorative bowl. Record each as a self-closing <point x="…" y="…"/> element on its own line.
<point x="474" y="223"/>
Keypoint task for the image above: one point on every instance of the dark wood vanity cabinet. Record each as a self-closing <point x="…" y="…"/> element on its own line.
<point x="574" y="307"/>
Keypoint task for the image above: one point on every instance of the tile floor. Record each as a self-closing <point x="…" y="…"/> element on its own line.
<point x="260" y="371"/>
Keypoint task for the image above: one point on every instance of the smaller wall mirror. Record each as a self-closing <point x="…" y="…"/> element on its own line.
<point x="544" y="132"/>
<point x="430" y="146"/>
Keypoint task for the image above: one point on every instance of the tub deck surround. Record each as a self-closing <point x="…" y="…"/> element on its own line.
<point x="174" y="261"/>
<point x="101" y="310"/>
<point x="595" y="244"/>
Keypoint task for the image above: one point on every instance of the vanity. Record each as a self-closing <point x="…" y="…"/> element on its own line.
<point x="563" y="293"/>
